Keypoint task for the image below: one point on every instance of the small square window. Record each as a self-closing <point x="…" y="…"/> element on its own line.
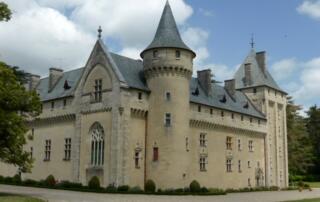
<point x="155" y="54"/>
<point x="178" y="54"/>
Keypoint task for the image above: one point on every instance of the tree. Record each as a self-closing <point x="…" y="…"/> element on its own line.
<point x="313" y="127"/>
<point x="300" y="150"/>
<point x="17" y="106"/>
<point x="5" y="12"/>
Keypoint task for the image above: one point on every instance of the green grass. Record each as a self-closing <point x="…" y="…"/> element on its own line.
<point x="15" y="198"/>
<point x="314" y="184"/>
<point x="307" y="200"/>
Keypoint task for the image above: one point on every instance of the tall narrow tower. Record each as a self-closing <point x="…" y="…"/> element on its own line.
<point x="168" y="69"/>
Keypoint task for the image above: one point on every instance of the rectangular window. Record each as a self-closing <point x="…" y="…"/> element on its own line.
<point x="187" y="144"/>
<point x="229" y="165"/>
<point x="67" y="149"/>
<point x="98" y="90"/>
<point x="139" y="96"/>
<point x="222" y="113"/>
<point x="199" y="108"/>
<point x="31" y="152"/>
<point x="168" y="96"/>
<point x="64" y="103"/>
<point x="250" y="120"/>
<point x="239" y="145"/>
<point x="229" y="143"/>
<point x="259" y="122"/>
<point x="254" y="90"/>
<point x="250" y="145"/>
<point x="232" y="116"/>
<point x="32" y="133"/>
<point x="211" y="111"/>
<point x="242" y="117"/>
<point x="155" y="154"/>
<point x="155" y="54"/>
<point x="136" y="159"/>
<point x="167" y="120"/>
<point x="52" y="105"/>
<point x="203" y="140"/>
<point x="202" y="163"/>
<point x="178" y="54"/>
<point x="239" y="166"/>
<point x="249" y="164"/>
<point x="47" y="150"/>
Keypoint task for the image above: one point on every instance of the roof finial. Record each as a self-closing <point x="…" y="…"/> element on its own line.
<point x="99" y="32"/>
<point x="252" y="41"/>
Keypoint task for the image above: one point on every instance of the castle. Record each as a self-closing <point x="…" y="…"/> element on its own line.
<point x="127" y="121"/>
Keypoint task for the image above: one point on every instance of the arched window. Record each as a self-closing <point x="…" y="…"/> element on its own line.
<point x="97" y="144"/>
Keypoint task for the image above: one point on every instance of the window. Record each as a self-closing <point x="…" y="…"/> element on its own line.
<point x="199" y="108"/>
<point x="32" y="133"/>
<point x="242" y="117"/>
<point x="229" y="143"/>
<point x="140" y="96"/>
<point x="203" y="141"/>
<point x="155" y="154"/>
<point x="64" y="103"/>
<point x="168" y="96"/>
<point x="232" y="116"/>
<point x="249" y="182"/>
<point x="167" y="120"/>
<point x="52" y="105"/>
<point x="97" y="145"/>
<point x="254" y="90"/>
<point x="136" y="159"/>
<point x="222" y="113"/>
<point x="98" y="90"/>
<point x="250" y="120"/>
<point x="259" y="122"/>
<point x="178" y="54"/>
<point x="67" y="149"/>
<point x="250" y="145"/>
<point x="31" y="152"/>
<point x="47" y="150"/>
<point x="202" y="163"/>
<point x="249" y="164"/>
<point x="41" y="107"/>
<point x="155" y="54"/>
<point x="239" y="145"/>
<point x="211" y="111"/>
<point x="187" y="144"/>
<point x="239" y="166"/>
<point x="229" y="165"/>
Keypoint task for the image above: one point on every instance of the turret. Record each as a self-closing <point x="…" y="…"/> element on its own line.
<point x="168" y="65"/>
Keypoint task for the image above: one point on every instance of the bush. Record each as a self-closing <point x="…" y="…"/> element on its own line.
<point x="216" y="191"/>
<point x="204" y="189"/>
<point x="7" y="180"/>
<point x="194" y="186"/>
<point x="150" y="186"/>
<point x="29" y="182"/>
<point x="67" y="184"/>
<point x="135" y="189"/>
<point x="94" y="183"/>
<point x="16" y="179"/>
<point x="111" y="188"/>
<point x="123" y="188"/>
<point x="274" y="188"/>
<point x="42" y="183"/>
<point x="1" y="178"/>
<point x="50" y="181"/>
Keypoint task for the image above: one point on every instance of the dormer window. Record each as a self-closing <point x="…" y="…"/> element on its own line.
<point x="178" y="54"/>
<point x="66" y="85"/>
<point x="155" y="54"/>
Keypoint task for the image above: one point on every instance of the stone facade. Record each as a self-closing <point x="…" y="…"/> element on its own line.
<point x="130" y="120"/>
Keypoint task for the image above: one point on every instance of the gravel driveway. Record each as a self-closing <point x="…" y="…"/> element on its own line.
<point x="70" y="196"/>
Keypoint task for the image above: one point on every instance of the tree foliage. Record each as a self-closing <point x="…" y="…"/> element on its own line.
<point x="17" y="105"/>
<point x="5" y="12"/>
<point x="300" y="149"/>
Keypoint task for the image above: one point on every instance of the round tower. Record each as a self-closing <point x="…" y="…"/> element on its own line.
<point x="168" y="69"/>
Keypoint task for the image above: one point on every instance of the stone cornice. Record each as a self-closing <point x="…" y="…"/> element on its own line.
<point x="49" y="119"/>
<point x="211" y="125"/>
<point x="90" y="111"/>
<point x="156" y="71"/>
<point x="139" y="113"/>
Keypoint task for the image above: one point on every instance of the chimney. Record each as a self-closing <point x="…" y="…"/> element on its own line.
<point x="230" y="86"/>
<point x="54" y="76"/>
<point x="33" y="81"/>
<point x="204" y="78"/>
<point x="261" y="59"/>
<point x="247" y="74"/>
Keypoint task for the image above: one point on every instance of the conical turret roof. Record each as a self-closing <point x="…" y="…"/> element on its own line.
<point x="167" y="35"/>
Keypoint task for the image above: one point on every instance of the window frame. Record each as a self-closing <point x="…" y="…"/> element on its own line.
<point x="229" y="165"/>
<point x="178" y="54"/>
<point x="203" y="140"/>
<point x="67" y="149"/>
<point x="229" y="143"/>
<point x="47" y="150"/>
<point x="203" y="161"/>
<point x="155" y="154"/>
<point x="167" y="119"/>
<point x="98" y="90"/>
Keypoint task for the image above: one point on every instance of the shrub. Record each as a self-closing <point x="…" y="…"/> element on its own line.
<point x="204" y="189"/>
<point x="179" y="190"/>
<point x="42" y="183"/>
<point x="274" y="188"/>
<point x="111" y="188"/>
<point x="216" y="191"/>
<point x="67" y="184"/>
<point x="194" y="186"/>
<point x="150" y="186"/>
<point x="135" y="189"/>
<point x="1" y="178"/>
<point x="50" y="181"/>
<point x="16" y="179"/>
<point x="29" y="182"/>
<point x="159" y="190"/>
<point x="94" y="183"/>
<point x="123" y="188"/>
<point x="7" y="180"/>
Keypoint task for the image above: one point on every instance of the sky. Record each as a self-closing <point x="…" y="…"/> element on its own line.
<point x="60" y="33"/>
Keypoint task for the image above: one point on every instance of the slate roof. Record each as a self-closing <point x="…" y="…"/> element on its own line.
<point x="258" y="77"/>
<point x="167" y="35"/>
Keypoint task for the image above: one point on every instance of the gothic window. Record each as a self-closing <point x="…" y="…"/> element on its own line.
<point x="229" y="165"/>
<point x="155" y="154"/>
<point x="203" y="140"/>
<point x="229" y="143"/>
<point x="202" y="163"/>
<point x="98" y="90"/>
<point x="97" y="145"/>
<point x="178" y="54"/>
<point x="47" y="150"/>
<point x="167" y="120"/>
<point x="250" y="145"/>
<point x="67" y="149"/>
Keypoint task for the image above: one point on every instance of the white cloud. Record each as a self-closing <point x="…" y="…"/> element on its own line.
<point x="310" y="8"/>
<point x="283" y="69"/>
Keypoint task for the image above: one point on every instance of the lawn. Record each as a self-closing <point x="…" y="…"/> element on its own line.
<point x="15" y="198"/>
<point x="307" y="200"/>
<point x="314" y="184"/>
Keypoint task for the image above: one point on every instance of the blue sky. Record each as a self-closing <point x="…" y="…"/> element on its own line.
<point x="62" y="33"/>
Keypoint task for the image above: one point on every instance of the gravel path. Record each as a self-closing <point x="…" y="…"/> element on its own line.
<point x="70" y="196"/>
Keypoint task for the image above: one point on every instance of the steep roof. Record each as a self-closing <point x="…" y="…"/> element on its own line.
<point x="167" y="35"/>
<point x="258" y="77"/>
